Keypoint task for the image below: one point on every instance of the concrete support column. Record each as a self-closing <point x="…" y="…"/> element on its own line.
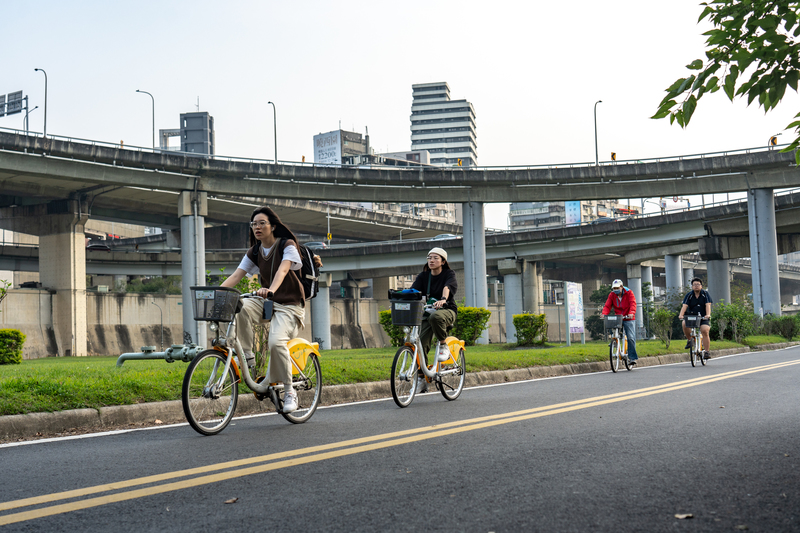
<point x="688" y="274"/>
<point x="764" y="251"/>
<point x="62" y="268"/>
<point x="719" y="280"/>
<point x="62" y="263"/>
<point x="476" y="292"/>
<point x="531" y="286"/>
<point x="672" y="266"/>
<point x="635" y="284"/>
<point x="382" y="286"/>
<point x="192" y="208"/>
<point x="321" y="313"/>
<point x="511" y="270"/>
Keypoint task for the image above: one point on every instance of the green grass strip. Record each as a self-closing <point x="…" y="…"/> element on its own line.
<point x="56" y="384"/>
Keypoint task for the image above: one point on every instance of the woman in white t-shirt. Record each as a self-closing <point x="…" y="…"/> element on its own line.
<point x="278" y="266"/>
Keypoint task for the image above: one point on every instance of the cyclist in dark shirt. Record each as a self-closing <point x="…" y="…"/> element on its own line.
<point x="437" y="282"/>
<point x="698" y="302"/>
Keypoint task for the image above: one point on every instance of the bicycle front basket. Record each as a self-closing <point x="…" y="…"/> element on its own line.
<point x="692" y="321"/>
<point x="612" y="321"/>
<point x="214" y="304"/>
<point x="407" y="312"/>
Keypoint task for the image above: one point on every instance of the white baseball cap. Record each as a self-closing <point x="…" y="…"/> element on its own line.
<point x="617" y="283"/>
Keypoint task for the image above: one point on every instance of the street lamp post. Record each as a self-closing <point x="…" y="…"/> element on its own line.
<point x="275" y="129"/>
<point x="596" y="157"/>
<point x="45" y="98"/>
<point x="154" y="115"/>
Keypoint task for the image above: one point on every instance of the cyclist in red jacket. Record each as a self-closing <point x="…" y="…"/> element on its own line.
<point x="622" y="301"/>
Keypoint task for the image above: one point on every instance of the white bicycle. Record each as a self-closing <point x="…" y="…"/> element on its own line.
<point x="211" y="385"/>
<point x="448" y="375"/>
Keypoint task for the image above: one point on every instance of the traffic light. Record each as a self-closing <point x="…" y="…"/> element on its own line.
<point x="614" y="155"/>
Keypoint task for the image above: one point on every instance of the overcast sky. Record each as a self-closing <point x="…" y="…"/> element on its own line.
<point x="532" y="70"/>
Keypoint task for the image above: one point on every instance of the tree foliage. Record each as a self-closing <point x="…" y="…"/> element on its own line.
<point x="753" y="51"/>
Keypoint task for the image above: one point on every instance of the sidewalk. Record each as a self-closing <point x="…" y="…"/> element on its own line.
<point x="80" y="421"/>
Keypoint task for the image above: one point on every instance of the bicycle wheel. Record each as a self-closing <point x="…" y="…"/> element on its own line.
<point x="612" y="355"/>
<point x="209" y="397"/>
<point x="309" y="391"/>
<point x="693" y="352"/>
<point x="700" y="352"/>
<point x="404" y="377"/>
<point x="452" y="384"/>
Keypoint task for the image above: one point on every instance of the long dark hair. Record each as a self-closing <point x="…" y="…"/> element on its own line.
<point x="280" y="230"/>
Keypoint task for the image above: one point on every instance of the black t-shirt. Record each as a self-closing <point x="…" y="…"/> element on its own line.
<point x="447" y="278"/>
<point x="697" y="304"/>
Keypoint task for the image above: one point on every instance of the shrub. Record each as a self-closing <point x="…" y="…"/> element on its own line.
<point x="531" y="329"/>
<point x="11" y="341"/>
<point x="471" y="322"/>
<point x="662" y="325"/>
<point x="735" y="320"/>
<point x="395" y="333"/>
<point x="787" y="326"/>
<point x="594" y="325"/>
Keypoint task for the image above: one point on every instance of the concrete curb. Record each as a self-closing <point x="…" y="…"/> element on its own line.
<point x="33" y="425"/>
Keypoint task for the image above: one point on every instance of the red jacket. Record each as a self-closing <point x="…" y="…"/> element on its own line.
<point x="624" y="304"/>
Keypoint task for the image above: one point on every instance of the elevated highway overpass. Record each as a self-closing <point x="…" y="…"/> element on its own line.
<point x="80" y="177"/>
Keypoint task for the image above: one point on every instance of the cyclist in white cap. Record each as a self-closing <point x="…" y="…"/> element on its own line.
<point x="438" y="282"/>
<point x="622" y="301"/>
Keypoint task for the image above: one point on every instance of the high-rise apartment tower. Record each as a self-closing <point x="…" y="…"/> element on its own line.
<point x="443" y="127"/>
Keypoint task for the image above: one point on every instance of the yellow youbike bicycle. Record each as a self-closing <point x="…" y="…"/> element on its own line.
<point x="447" y="371"/>
<point x="211" y="384"/>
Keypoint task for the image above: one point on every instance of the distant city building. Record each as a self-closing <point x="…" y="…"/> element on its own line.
<point x="196" y="134"/>
<point x="331" y="148"/>
<point x="443" y="127"/>
<point x="539" y="215"/>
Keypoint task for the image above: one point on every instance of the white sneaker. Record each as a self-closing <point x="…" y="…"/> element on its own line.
<point x="422" y="385"/>
<point x="443" y="353"/>
<point x="290" y="402"/>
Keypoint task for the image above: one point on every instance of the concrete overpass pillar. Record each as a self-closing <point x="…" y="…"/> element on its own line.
<point x="672" y="266"/>
<point x="719" y="280"/>
<point x="764" y="251"/>
<point x="511" y="270"/>
<point x="62" y="263"/>
<point x="381" y="287"/>
<point x="475" y="290"/>
<point x="688" y="274"/>
<point x="192" y="209"/>
<point x="321" y="312"/>
<point x="531" y="286"/>
<point x="635" y="284"/>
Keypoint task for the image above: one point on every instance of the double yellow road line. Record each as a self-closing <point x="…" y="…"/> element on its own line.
<point x="194" y="477"/>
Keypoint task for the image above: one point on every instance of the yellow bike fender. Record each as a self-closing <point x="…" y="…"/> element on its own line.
<point x="455" y="345"/>
<point x="299" y="350"/>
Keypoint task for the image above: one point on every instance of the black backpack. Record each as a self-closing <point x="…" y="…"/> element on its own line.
<point x="309" y="272"/>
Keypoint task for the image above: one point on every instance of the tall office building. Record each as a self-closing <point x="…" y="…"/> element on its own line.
<point x="443" y="127"/>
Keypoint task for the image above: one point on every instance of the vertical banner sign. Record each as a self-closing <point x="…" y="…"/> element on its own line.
<point x="575" y="295"/>
<point x="572" y="211"/>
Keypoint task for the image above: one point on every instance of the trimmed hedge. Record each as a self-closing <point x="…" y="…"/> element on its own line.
<point x="531" y="329"/>
<point x="395" y="333"/>
<point x="470" y="323"/>
<point x="11" y="341"/>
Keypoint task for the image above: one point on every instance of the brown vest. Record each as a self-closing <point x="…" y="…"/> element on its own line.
<point x="291" y="291"/>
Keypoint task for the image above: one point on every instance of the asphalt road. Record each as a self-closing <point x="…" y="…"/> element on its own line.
<point x="664" y="448"/>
